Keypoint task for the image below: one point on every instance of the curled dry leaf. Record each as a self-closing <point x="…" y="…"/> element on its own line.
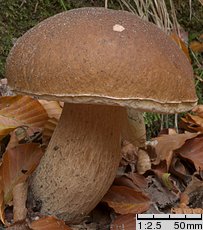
<point x="143" y="162"/>
<point x="125" y="200"/>
<point x="192" y="150"/>
<point x="49" y="129"/>
<point x="52" y="108"/>
<point x="166" y="144"/>
<point x="18" y="111"/>
<point x="193" y="122"/>
<point x="124" y="222"/>
<point x="178" y="169"/>
<point x="54" y="111"/>
<point x="49" y="223"/>
<point x="18" y="163"/>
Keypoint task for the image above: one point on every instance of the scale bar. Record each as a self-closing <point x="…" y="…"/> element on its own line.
<point x="169" y="218"/>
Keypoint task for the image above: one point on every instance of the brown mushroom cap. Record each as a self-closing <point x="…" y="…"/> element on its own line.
<point x="95" y="55"/>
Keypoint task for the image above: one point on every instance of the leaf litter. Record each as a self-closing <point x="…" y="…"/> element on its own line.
<point x="164" y="176"/>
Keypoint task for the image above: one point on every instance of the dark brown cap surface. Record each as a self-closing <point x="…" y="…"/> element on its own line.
<point x="91" y="55"/>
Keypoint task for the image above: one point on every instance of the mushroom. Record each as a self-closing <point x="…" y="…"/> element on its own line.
<point x="99" y="62"/>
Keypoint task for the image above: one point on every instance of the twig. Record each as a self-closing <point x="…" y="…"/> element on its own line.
<point x="36" y="5"/>
<point x="106" y="4"/>
<point x="63" y="4"/>
<point x="176" y="122"/>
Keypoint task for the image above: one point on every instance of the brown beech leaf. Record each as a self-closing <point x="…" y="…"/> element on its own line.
<point x="184" y="200"/>
<point x="143" y="161"/>
<point x="49" y="129"/>
<point x="166" y="144"/>
<point x="178" y="169"/>
<point x="196" y="46"/>
<point x="20" y="225"/>
<point x="54" y="111"/>
<point x="125" y="181"/>
<point x="194" y="122"/>
<point x="129" y="152"/>
<point x="52" y="108"/>
<point x="125" y="200"/>
<point x="2" y="216"/>
<point x="139" y="180"/>
<point x="193" y="151"/>
<point x="18" y="163"/>
<point x="49" y="223"/>
<point x="18" y="111"/>
<point x="195" y="185"/>
<point x="124" y="222"/>
<point x="132" y="180"/>
<point x="181" y="45"/>
<point x="198" y="110"/>
<point x="19" y="201"/>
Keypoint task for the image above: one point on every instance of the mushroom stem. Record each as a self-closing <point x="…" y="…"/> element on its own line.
<point x="81" y="160"/>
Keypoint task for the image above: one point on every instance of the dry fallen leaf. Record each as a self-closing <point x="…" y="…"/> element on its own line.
<point x="52" y="108"/>
<point x="20" y="225"/>
<point x="48" y="130"/>
<point x="192" y="150"/>
<point x="126" y="222"/>
<point x="198" y="110"/>
<point x="139" y="180"/>
<point x="2" y="216"/>
<point x="178" y="169"/>
<point x="193" y="123"/>
<point x="181" y="45"/>
<point x="16" y="111"/>
<point x="19" y="201"/>
<point x="49" y="223"/>
<point x="143" y="161"/>
<point x="54" y="111"/>
<point x="125" y="200"/>
<point x="132" y="180"/>
<point x="184" y="200"/>
<point x="196" y="46"/>
<point x="166" y="144"/>
<point x="18" y="163"/>
<point x="128" y="152"/>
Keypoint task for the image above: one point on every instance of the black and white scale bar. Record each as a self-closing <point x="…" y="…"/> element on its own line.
<point x="169" y="217"/>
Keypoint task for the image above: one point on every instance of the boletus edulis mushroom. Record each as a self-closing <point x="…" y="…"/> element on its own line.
<point x="99" y="62"/>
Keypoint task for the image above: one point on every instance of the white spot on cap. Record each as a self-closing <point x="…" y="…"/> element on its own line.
<point x="118" y="28"/>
